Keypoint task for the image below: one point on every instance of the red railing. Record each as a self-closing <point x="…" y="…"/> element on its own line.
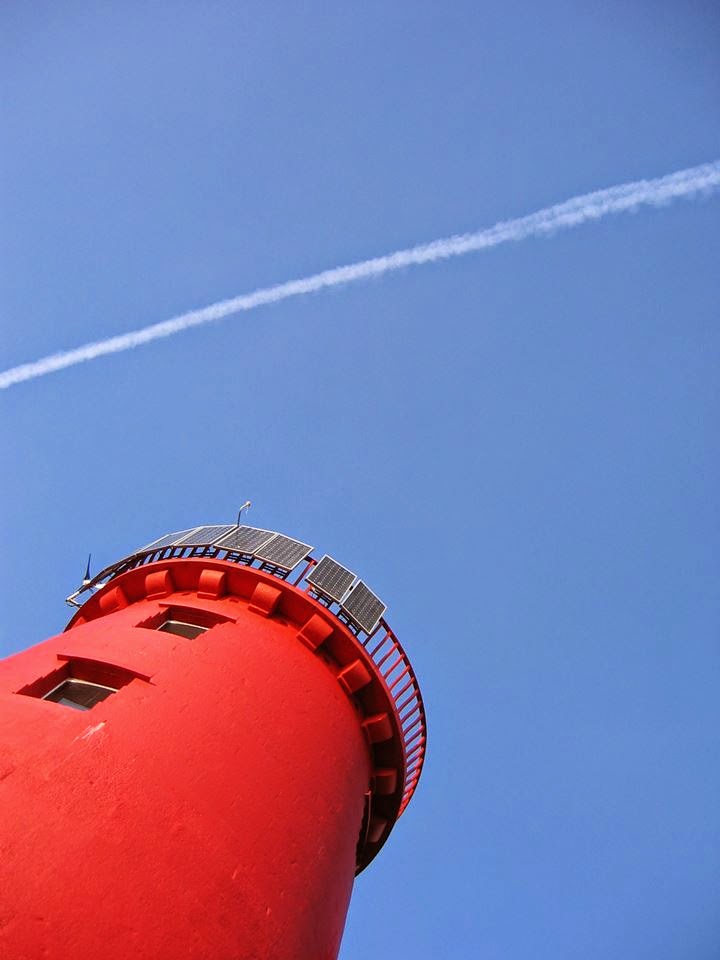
<point x="393" y="665"/>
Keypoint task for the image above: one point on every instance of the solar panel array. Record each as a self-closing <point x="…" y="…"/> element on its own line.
<point x="328" y="577"/>
<point x="245" y="540"/>
<point x="283" y="552"/>
<point x="331" y="579"/>
<point x="168" y="540"/>
<point x="204" y="536"/>
<point x="364" y="607"/>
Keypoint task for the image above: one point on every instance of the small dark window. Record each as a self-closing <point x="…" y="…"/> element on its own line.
<point x="188" y="622"/>
<point x="79" y="694"/>
<point x="80" y="683"/>
<point x="182" y="628"/>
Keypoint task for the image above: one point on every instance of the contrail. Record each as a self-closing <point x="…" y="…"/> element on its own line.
<point x="561" y="216"/>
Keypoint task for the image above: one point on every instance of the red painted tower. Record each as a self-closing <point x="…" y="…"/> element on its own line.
<point x="199" y="765"/>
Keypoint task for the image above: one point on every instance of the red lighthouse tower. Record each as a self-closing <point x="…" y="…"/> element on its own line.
<point x="223" y="736"/>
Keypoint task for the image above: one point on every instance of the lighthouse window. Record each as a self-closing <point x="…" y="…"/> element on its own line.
<point x="79" y="694"/>
<point x="182" y="628"/>
<point x="188" y="622"/>
<point x="80" y="683"/>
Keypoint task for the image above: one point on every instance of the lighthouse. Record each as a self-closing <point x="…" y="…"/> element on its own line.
<point x="224" y="735"/>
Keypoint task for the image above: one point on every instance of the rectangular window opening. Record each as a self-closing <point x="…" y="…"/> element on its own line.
<point x="188" y="622"/>
<point x="79" y="694"/>
<point x="182" y="628"/>
<point x="80" y="683"/>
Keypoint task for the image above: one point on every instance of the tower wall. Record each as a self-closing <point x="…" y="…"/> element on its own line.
<point x="212" y="807"/>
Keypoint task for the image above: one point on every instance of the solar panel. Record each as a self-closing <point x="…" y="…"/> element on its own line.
<point x="245" y="539"/>
<point x="283" y="552"/>
<point x="203" y="536"/>
<point x="167" y="540"/>
<point x="331" y="578"/>
<point x="363" y="607"/>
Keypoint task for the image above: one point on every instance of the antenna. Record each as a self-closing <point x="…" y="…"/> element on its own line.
<point x="245" y="506"/>
<point x="86" y="581"/>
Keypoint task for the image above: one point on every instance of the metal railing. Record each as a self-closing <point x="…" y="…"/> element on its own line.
<point x="395" y="669"/>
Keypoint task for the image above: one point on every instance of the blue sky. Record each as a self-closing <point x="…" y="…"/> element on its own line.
<point x="517" y="449"/>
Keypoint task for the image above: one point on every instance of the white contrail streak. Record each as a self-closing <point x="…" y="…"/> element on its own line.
<point x="571" y="213"/>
